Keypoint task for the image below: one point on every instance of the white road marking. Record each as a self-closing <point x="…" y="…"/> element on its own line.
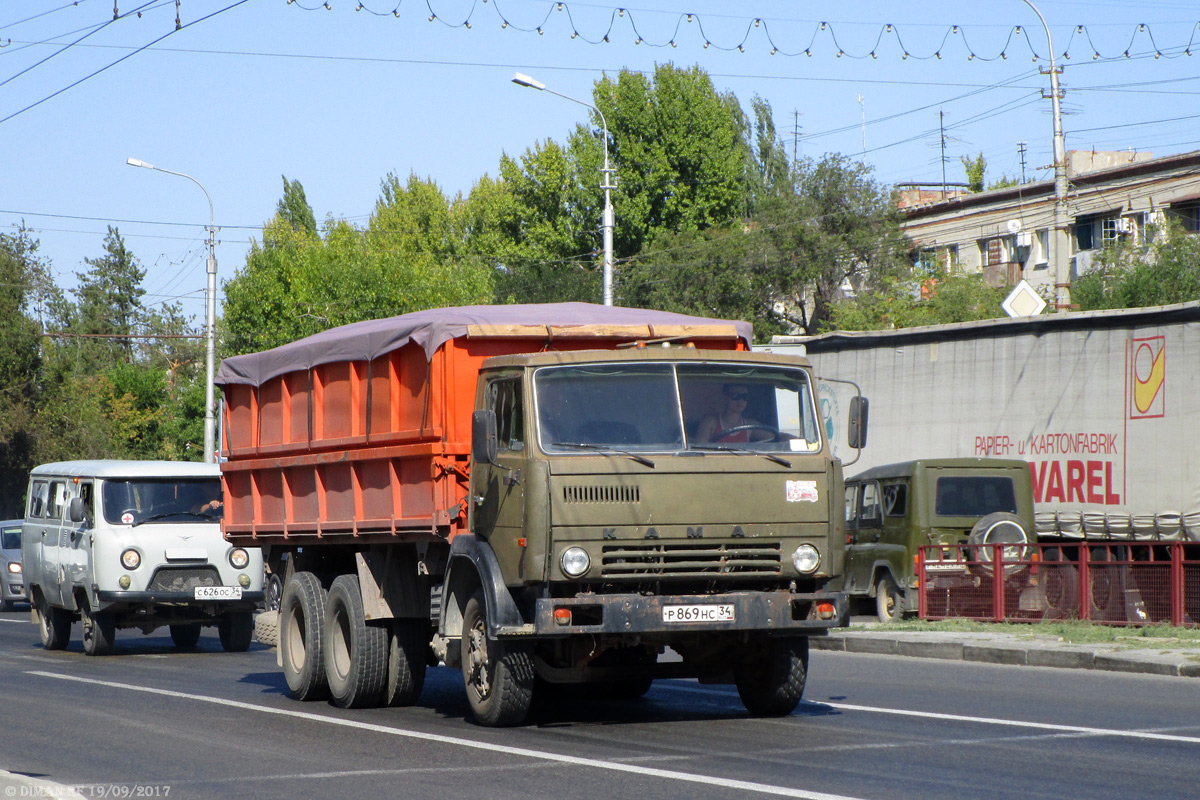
<point x="490" y="747"/>
<point x="1044" y="726"/>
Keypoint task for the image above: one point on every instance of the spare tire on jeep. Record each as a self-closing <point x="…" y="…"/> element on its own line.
<point x="1002" y="528"/>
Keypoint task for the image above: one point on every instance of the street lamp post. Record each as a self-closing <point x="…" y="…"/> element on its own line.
<point x="210" y="417"/>
<point x="606" y="223"/>
<point x="1058" y="245"/>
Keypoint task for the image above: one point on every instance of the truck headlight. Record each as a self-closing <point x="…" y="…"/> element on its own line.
<point x="239" y="558"/>
<point x="806" y="559"/>
<point x="14" y="567"/>
<point x="131" y="559"/>
<point x="575" y="562"/>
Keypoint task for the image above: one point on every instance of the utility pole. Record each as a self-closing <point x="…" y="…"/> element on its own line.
<point x="863" y="104"/>
<point x="795" y="133"/>
<point x="942" y="133"/>
<point x="1021" y="152"/>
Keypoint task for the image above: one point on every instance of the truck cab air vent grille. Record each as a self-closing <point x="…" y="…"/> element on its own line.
<point x="602" y="494"/>
<point x="761" y="560"/>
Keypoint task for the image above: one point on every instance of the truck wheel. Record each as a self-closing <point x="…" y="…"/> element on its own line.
<point x="356" y="653"/>
<point x="407" y="646"/>
<point x="1062" y="585"/>
<point x="99" y="632"/>
<point x="236" y="630"/>
<point x="301" y="629"/>
<point x="770" y="677"/>
<point x="889" y="600"/>
<point x="185" y="637"/>
<point x="55" y="625"/>
<point x="498" y="676"/>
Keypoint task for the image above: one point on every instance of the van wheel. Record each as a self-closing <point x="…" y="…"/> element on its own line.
<point x="185" y="637"/>
<point x="498" y="676"/>
<point x="771" y="675"/>
<point x="889" y="600"/>
<point x="356" y="653"/>
<point x="99" y="632"/>
<point x="301" y="629"/>
<point x="407" y="647"/>
<point x="236" y="630"/>
<point x="55" y="625"/>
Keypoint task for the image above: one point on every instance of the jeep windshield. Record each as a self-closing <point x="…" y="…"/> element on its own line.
<point x="668" y="407"/>
<point x="135" y="501"/>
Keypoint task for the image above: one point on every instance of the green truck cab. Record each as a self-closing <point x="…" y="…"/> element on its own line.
<point x="892" y="510"/>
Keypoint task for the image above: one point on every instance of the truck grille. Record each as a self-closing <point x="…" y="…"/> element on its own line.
<point x="602" y="494"/>
<point x="691" y="560"/>
<point x="184" y="579"/>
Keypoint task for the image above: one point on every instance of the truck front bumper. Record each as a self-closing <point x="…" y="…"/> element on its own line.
<point x="779" y="613"/>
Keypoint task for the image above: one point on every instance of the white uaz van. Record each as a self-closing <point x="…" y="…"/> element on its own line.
<point x="135" y="544"/>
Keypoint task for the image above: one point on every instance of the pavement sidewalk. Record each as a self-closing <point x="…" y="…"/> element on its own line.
<point x="1030" y="650"/>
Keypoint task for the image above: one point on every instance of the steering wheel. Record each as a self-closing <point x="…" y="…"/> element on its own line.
<point x="776" y="434"/>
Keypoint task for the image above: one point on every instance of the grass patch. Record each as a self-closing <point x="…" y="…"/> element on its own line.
<point x="1164" y="637"/>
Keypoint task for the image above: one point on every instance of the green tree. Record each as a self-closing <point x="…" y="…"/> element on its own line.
<point x="293" y="208"/>
<point x="975" y="169"/>
<point x="1130" y="275"/>
<point x="109" y="305"/>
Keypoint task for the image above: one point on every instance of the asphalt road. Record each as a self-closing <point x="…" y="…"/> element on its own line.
<point x="153" y="722"/>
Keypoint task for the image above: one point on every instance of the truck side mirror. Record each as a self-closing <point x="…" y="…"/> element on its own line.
<point x="76" y="510"/>
<point x="856" y="432"/>
<point x="483" y="436"/>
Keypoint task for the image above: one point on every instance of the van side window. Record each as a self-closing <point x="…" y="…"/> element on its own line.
<point x="870" y="512"/>
<point x="38" y="497"/>
<point x="58" y="498"/>
<point x="895" y="499"/>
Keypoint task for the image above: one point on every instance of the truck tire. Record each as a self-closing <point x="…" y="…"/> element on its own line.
<point x="498" y="676"/>
<point x="236" y="630"/>
<point x="770" y="676"/>
<point x="408" y="643"/>
<point x="889" y="600"/>
<point x="99" y="632"/>
<point x="185" y="637"/>
<point x="266" y="628"/>
<point x="301" y="629"/>
<point x="1062" y="585"/>
<point x="55" y="625"/>
<point x="356" y="652"/>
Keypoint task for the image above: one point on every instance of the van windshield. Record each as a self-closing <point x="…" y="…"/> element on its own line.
<point x="974" y="496"/>
<point x="134" y="501"/>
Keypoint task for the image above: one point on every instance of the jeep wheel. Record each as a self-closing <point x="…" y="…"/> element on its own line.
<point x="889" y="600"/>
<point x="301" y="628"/>
<point x="55" y="625"/>
<point x="498" y="676"/>
<point x="771" y="675"/>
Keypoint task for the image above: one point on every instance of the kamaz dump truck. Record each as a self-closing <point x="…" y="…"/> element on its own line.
<point x="523" y="492"/>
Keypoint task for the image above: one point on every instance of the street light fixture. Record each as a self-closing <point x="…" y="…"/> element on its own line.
<point x="1058" y="251"/>
<point x="606" y="224"/>
<point x="210" y="417"/>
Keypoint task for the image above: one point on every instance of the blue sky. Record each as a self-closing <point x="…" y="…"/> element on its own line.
<point x="338" y="98"/>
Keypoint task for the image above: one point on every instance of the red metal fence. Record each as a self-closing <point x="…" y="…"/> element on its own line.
<point x="1108" y="583"/>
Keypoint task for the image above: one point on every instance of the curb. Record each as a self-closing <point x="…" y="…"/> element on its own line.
<point x="996" y="650"/>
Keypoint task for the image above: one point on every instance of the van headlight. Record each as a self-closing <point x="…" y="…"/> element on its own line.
<point x="14" y="566"/>
<point x="239" y="558"/>
<point x="131" y="559"/>
<point x="806" y="559"/>
<point x="575" y="561"/>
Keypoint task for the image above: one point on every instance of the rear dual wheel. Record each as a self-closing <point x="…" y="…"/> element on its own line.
<point x="301" y="630"/>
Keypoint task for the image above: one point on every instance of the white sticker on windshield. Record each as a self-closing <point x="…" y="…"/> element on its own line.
<point x="802" y="492"/>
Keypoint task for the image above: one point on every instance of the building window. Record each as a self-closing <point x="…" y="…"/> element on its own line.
<point x="1042" y="258"/>
<point x="993" y="252"/>
<point x="1188" y="215"/>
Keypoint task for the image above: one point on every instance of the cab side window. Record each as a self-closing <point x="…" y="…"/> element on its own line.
<point x="506" y="401"/>
<point x="870" y="510"/>
<point x="57" y="499"/>
<point x="39" y="494"/>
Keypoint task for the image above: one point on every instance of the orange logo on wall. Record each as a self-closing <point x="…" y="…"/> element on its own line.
<point x="1147" y="368"/>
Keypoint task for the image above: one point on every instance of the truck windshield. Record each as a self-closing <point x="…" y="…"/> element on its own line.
<point x="132" y="502"/>
<point x="974" y="496"/>
<point x="657" y="407"/>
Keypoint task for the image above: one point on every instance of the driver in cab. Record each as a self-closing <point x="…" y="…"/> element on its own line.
<point x="732" y="425"/>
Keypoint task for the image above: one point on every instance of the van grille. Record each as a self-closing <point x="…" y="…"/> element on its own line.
<point x="692" y="560"/>
<point x="184" y="579"/>
<point x="602" y="494"/>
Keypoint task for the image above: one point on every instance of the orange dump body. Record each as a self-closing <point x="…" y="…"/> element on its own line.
<point x="378" y="450"/>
